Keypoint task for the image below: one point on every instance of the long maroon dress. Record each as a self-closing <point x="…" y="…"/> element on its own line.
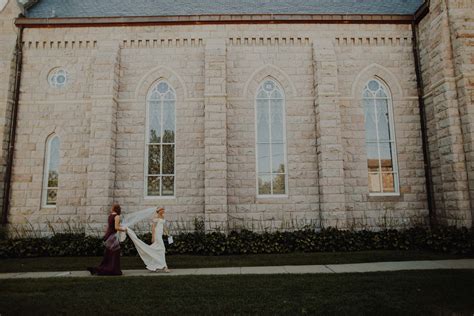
<point x="110" y="265"/>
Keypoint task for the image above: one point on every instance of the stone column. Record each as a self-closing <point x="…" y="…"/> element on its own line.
<point x="447" y="113"/>
<point x="461" y="25"/>
<point x="215" y="135"/>
<point x="101" y="168"/>
<point x="328" y="135"/>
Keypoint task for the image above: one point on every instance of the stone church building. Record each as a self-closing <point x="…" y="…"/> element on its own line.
<point x="244" y="113"/>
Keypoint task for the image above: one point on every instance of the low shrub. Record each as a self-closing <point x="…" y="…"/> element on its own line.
<point x="443" y="239"/>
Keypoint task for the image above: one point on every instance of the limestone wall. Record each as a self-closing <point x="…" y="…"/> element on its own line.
<point x="216" y="70"/>
<point x="8" y="38"/>
<point x="447" y="65"/>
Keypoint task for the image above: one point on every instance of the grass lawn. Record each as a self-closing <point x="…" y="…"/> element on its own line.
<point x="443" y="292"/>
<point x="186" y="261"/>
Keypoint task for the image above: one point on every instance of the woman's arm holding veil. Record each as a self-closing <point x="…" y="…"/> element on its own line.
<point x="117" y="224"/>
<point x="153" y="232"/>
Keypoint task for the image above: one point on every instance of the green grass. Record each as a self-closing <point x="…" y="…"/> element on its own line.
<point x="406" y="292"/>
<point x="186" y="261"/>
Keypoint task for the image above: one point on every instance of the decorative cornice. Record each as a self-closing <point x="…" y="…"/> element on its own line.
<point x="216" y="19"/>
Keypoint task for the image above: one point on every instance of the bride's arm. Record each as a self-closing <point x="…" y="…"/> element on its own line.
<point x="153" y="232"/>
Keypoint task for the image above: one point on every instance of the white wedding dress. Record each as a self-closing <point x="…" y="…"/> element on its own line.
<point x="152" y="255"/>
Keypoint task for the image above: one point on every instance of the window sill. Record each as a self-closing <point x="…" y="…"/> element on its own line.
<point x="384" y="194"/>
<point x="271" y="197"/>
<point x="385" y="197"/>
<point x="160" y="197"/>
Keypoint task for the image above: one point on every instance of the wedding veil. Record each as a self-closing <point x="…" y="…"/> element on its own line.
<point x="130" y="219"/>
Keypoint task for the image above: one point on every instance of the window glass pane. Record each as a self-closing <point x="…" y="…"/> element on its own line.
<point x="388" y="181"/>
<point x="54" y="154"/>
<point x="153" y="186"/>
<point x="262" y="94"/>
<point x="278" y="158"/>
<point x="386" y="157"/>
<point x="370" y="125"/>
<point x="279" y="184"/>
<point x="154" y="96"/>
<point x="276" y="95"/>
<point x="264" y="158"/>
<point x="380" y="140"/>
<point x="154" y="122"/>
<point x="367" y="94"/>
<point x="170" y="95"/>
<point x="277" y="121"/>
<point x="161" y="136"/>
<point x="374" y="183"/>
<point x="381" y="93"/>
<point x="168" y="159"/>
<point x="372" y="157"/>
<point x="271" y="139"/>
<point x="264" y="184"/>
<point x="168" y="186"/>
<point x="154" y="159"/>
<point x="168" y="122"/>
<point x="51" y="196"/>
<point x="263" y="120"/>
<point x="53" y="179"/>
<point x="383" y="120"/>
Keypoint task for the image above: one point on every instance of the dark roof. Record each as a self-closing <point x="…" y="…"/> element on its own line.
<point x="112" y="8"/>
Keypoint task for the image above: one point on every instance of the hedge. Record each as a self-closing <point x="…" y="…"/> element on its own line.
<point x="443" y="239"/>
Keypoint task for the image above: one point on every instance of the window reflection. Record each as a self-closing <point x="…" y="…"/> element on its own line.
<point x="380" y="141"/>
<point x="271" y="142"/>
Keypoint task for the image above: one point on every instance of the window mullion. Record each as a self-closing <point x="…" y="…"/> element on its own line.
<point x="271" y="144"/>
<point x="378" y="144"/>
<point x="161" y="146"/>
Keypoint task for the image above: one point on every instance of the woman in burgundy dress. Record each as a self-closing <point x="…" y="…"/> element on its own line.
<point x="110" y="265"/>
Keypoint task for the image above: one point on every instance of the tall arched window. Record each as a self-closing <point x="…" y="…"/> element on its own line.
<point x="51" y="171"/>
<point x="380" y="139"/>
<point x="160" y="140"/>
<point x="271" y="139"/>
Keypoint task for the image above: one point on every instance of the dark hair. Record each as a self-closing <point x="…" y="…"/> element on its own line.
<point x="116" y="208"/>
<point x="159" y="209"/>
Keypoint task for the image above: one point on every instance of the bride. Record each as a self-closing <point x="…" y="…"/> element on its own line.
<point x="153" y="255"/>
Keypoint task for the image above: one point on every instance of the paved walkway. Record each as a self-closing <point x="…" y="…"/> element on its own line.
<point x="330" y="268"/>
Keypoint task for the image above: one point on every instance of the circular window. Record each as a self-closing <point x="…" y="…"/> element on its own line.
<point x="58" y="78"/>
<point x="269" y="86"/>
<point x="162" y="87"/>
<point x="373" y="85"/>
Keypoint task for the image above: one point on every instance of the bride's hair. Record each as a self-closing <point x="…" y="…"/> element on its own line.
<point x="159" y="209"/>
<point x="116" y="208"/>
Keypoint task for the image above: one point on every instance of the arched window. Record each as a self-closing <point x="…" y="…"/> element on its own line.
<point x="160" y="140"/>
<point x="51" y="171"/>
<point x="380" y="139"/>
<point x="271" y="139"/>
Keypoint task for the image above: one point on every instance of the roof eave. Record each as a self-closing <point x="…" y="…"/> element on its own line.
<point x="217" y="19"/>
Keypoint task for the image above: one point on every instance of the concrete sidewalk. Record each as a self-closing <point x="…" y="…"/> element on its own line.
<point x="330" y="268"/>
